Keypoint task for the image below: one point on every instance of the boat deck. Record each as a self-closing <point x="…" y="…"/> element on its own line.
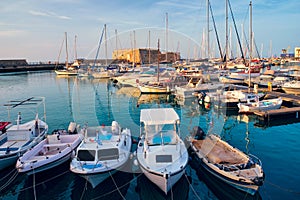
<point x="218" y="153"/>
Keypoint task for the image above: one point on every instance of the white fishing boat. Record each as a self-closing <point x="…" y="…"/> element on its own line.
<point x="264" y="105"/>
<point x="50" y="152"/>
<point x="291" y="87"/>
<point x="225" y="162"/>
<point x="161" y="154"/>
<point x="103" y="151"/>
<point x="22" y="136"/>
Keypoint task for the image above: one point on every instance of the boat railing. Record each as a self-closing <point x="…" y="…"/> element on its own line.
<point x="255" y="159"/>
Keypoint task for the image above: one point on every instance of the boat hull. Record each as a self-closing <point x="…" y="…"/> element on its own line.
<point x="251" y="189"/>
<point x="164" y="181"/>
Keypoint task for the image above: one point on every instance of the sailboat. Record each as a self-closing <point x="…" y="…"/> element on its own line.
<point x="69" y="70"/>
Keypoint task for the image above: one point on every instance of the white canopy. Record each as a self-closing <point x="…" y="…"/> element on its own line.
<point x="158" y="116"/>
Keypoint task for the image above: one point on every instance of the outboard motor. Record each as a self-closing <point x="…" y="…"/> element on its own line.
<point x="115" y="127"/>
<point x="197" y="133"/>
<point x="72" y="128"/>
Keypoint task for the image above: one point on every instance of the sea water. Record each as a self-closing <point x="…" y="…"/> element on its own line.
<point x="98" y="102"/>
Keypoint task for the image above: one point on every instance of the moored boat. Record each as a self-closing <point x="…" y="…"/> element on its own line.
<point x="264" y="105"/>
<point x="291" y="87"/>
<point x="50" y="152"/>
<point x="161" y="154"/>
<point x="21" y="136"/>
<point x="225" y="162"/>
<point x="103" y="151"/>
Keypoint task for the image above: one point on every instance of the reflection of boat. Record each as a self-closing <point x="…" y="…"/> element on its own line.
<point x="52" y="151"/>
<point x="153" y="98"/>
<point x="268" y="104"/>
<point x="149" y="191"/>
<point x="161" y="154"/>
<point x="225" y="162"/>
<point x="104" y="150"/>
<point x="22" y="136"/>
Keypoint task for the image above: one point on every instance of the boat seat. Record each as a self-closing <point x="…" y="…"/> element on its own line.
<point x="56" y="145"/>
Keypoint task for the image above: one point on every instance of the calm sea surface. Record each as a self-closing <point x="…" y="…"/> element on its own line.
<point x="99" y="102"/>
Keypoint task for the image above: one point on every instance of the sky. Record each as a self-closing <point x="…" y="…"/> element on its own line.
<point x="35" y="30"/>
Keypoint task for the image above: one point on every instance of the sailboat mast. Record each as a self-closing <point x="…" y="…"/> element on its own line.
<point x="167" y="37"/>
<point x="105" y="36"/>
<point x="67" y="56"/>
<point x="158" y="61"/>
<point x="251" y="43"/>
<point x="207" y="15"/>
<point x="116" y="33"/>
<point x="226" y="32"/>
<point x="75" y="47"/>
<point x="149" y="50"/>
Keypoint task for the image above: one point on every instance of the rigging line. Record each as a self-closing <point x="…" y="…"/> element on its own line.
<point x="62" y="44"/>
<point x="192" y="187"/>
<point x="99" y="44"/>
<point x="237" y="34"/>
<point x="116" y="186"/>
<point x="217" y="36"/>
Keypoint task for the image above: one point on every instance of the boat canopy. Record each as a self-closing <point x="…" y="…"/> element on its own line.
<point x="156" y="116"/>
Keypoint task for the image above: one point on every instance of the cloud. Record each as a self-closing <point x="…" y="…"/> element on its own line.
<point x="49" y="14"/>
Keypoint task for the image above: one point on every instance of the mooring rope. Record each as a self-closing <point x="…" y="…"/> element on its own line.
<point x="10" y="180"/>
<point x="84" y="189"/>
<point x="116" y="185"/>
<point x="14" y="170"/>
<point x="192" y="186"/>
<point x="34" y="191"/>
<point x="283" y="189"/>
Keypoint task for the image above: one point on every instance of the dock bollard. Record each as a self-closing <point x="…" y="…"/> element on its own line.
<point x="269" y="86"/>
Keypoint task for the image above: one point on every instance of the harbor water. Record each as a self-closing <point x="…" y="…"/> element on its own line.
<point x="96" y="102"/>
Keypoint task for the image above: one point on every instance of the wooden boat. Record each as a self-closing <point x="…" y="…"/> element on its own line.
<point x="225" y="162"/>
<point x="161" y="154"/>
<point x="268" y="104"/>
<point x="21" y="136"/>
<point x="50" y="152"/>
<point x="103" y="151"/>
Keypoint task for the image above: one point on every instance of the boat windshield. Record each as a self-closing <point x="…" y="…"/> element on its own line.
<point x="160" y="134"/>
<point x="86" y="155"/>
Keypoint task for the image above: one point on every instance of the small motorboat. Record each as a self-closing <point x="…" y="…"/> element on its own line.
<point x="56" y="149"/>
<point x="225" y="162"/>
<point x="264" y="105"/>
<point x="161" y="154"/>
<point x="103" y="151"/>
<point x="20" y="137"/>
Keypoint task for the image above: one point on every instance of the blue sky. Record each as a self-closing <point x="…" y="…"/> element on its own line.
<point x="34" y="29"/>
